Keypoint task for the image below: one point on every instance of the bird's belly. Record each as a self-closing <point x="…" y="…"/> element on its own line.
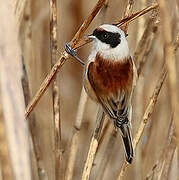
<point x="112" y="78"/>
<point x="110" y="83"/>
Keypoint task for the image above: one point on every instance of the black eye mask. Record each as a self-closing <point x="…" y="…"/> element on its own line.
<point x="111" y="38"/>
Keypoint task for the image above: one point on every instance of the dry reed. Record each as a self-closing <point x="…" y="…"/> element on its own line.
<point x="63" y="137"/>
<point x="77" y="42"/>
<point x="12" y="95"/>
<point x="55" y="90"/>
<point x="170" y="62"/>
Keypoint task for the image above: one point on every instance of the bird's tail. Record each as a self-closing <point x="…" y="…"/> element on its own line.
<point x="127" y="141"/>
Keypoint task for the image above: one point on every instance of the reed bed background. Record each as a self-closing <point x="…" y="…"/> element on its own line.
<point x="49" y="128"/>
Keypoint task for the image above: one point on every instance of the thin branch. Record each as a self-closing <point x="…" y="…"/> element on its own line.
<point x="161" y="168"/>
<point x="136" y="15"/>
<point x="64" y="56"/>
<point x="81" y="109"/>
<point x="127" y="14"/>
<point x="170" y="62"/>
<point x="142" y="22"/>
<point x="40" y="168"/>
<point x="86" y="23"/>
<point x="103" y="133"/>
<point x="27" y="57"/>
<point x="168" y="159"/>
<point x="146" y="117"/>
<point x="146" y="38"/>
<point x="55" y="90"/>
<point x="103" y="12"/>
<point x="129" y="8"/>
<point x="76" y="43"/>
<point x="93" y="145"/>
<point x="107" y="154"/>
<point x="46" y="83"/>
<point x="147" y="48"/>
<point x="53" y="30"/>
<point x="75" y="137"/>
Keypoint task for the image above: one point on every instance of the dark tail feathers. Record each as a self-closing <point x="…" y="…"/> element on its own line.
<point x="127" y="140"/>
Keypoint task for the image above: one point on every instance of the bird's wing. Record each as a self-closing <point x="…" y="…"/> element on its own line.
<point x="87" y="85"/>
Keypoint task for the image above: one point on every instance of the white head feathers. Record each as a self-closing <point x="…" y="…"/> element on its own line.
<point x="104" y="46"/>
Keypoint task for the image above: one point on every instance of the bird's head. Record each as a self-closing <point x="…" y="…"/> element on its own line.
<point x="110" y="41"/>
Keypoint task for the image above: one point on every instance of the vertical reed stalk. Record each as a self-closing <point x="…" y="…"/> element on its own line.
<point x="170" y="61"/>
<point x="55" y="89"/>
<point x="12" y="94"/>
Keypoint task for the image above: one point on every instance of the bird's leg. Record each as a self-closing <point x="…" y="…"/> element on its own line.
<point x="72" y="52"/>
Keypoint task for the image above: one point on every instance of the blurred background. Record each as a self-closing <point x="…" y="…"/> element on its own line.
<point x="34" y="37"/>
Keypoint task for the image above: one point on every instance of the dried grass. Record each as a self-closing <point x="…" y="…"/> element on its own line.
<point x="65" y="139"/>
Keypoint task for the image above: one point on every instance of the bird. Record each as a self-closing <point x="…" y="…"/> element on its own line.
<point x="110" y="77"/>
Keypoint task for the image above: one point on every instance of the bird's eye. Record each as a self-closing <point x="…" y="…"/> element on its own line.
<point x="105" y="35"/>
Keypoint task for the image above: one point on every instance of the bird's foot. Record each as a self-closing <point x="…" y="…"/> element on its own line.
<point x="73" y="53"/>
<point x="119" y="122"/>
<point x="70" y="50"/>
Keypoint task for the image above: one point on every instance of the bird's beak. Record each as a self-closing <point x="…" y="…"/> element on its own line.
<point x="91" y="37"/>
